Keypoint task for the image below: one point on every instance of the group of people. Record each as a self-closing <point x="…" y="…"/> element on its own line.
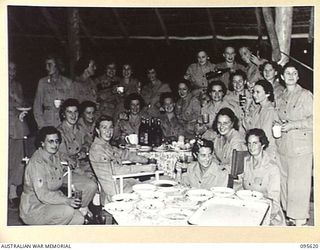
<point x="224" y="106"/>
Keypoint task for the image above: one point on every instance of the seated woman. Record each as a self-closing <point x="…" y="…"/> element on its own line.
<point x="226" y="126"/>
<point x="205" y="172"/>
<point x="262" y="174"/>
<point x="187" y="108"/>
<point x="128" y="82"/>
<point x="216" y="91"/>
<point x="42" y="202"/>
<point x="106" y="160"/>
<point x="73" y="148"/>
<point x="87" y="120"/>
<point x="129" y="123"/>
<point x="170" y="125"/>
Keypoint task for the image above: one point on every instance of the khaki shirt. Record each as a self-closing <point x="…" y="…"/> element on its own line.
<point x="73" y="141"/>
<point x="187" y="111"/>
<point x="85" y="90"/>
<point x="45" y="113"/>
<point x="171" y="127"/>
<point x="277" y="91"/>
<point x="127" y="127"/>
<point x="213" y="177"/>
<point x="196" y="74"/>
<point x="88" y="131"/>
<point x="131" y="87"/>
<point x="296" y="108"/>
<point x="223" y="148"/>
<point x="43" y="179"/>
<point x="264" y="178"/>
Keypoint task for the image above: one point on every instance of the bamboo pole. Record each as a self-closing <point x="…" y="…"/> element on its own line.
<point x="213" y="31"/>
<point x="163" y="26"/>
<point x="283" y="27"/>
<point x="267" y="14"/>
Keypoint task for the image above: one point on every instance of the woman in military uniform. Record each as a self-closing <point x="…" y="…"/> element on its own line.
<point x="42" y="202"/>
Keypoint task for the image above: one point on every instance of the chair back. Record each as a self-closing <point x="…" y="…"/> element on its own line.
<point x="237" y="162"/>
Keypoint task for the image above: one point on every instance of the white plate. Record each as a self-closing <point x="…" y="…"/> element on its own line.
<point x="176" y="213"/>
<point x="222" y="191"/>
<point x="23" y="109"/>
<point x="153" y="195"/>
<point x="125" y="197"/>
<point x="150" y="205"/>
<point x="164" y="184"/>
<point x="132" y="147"/>
<point x="161" y="149"/>
<point x="199" y="194"/>
<point x="145" y="148"/>
<point x="249" y="195"/>
<point x="140" y="188"/>
<point x="118" y="207"/>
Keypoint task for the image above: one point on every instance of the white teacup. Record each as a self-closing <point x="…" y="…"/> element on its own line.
<point x="276" y="131"/>
<point x="132" y="139"/>
<point x="57" y="103"/>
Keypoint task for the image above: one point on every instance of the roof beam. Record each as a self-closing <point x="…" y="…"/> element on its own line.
<point x="163" y="26"/>
<point x="120" y="24"/>
<point x="213" y="31"/>
<point x="53" y="26"/>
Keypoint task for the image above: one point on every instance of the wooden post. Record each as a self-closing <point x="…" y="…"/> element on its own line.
<point x="163" y="26"/>
<point x="73" y="38"/>
<point x="267" y="14"/>
<point x="213" y="31"/>
<point x="311" y="26"/>
<point x="284" y="30"/>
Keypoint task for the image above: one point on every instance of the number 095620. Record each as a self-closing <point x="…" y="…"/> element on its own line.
<point x="312" y="245"/>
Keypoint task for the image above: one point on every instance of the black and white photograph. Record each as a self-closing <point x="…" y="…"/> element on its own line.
<point x="160" y="116"/>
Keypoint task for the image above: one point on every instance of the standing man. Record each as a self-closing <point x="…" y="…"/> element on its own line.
<point x="51" y="92"/>
<point x="229" y="55"/>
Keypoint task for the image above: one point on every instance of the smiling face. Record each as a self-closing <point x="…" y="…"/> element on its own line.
<point x="88" y="115"/>
<point x="168" y="105"/>
<point x="111" y="70"/>
<point x="216" y="93"/>
<point x="229" y="54"/>
<point x="205" y="157"/>
<point x="71" y="115"/>
<point x="269" y="73"/>
<point x="134" y="107"/>
<point x="51" y="144"/>
<point x="290" y="76"/>
<point x="238" y="83"/>
<point x="105" y="130"/>
<point x="254" y="145"/>
<point x="224" y="124"/>
<point x="259" y="95"/>
<point x="202" y="57"/>
<point x="183" y="90"/>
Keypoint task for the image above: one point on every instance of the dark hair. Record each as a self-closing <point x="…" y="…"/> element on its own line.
<point x="219" y="83"/>
<point x="58" y="61"/>
<point x="238" y="72"/>
<point x="43" y="132"/>
<point x="290" y="64"/>
<point x="260" y="134"/>
<point x="202" y="143"/>
<point x="166" y="95"/>
<point x="268" y="88"/>
<point x="131" y="97"/>
<point x="151" y="67"/>
<point x="98" y="122"/>
<point x="82" y="64"/>
<point x="274" y="65"/>
<point x="187" y="83"/>
<point x="228" y="112"/>
<point x="86" y="104"/>
<point x="68" y="103"/>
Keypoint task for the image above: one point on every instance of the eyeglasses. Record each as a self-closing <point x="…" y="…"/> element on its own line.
<point x="56" y="141"/>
